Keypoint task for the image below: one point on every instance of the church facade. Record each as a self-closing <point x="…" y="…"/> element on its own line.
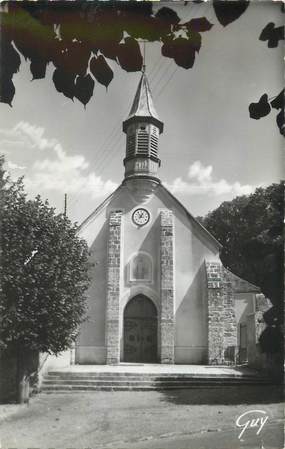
<point x="158" y="293"/>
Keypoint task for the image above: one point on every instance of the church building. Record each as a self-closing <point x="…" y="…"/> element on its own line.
<point x="158" y="293"/>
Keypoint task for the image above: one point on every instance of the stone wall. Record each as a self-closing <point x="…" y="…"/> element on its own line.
<point x="222" y="326"/>
<point x="167" y="325"/>
<point x="229" y="319"/>
<point x="113" y="288"/>
<point x="215" y="314"/>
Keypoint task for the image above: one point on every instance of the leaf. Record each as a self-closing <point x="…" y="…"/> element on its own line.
<point x="72" y="25"/>
<point x="168" y="16"/>
<point x="272" y="34"/>
<point x="167" y="48"/>
<point x="194" y="40"/>
<point x="137" y="20"/>
<point x="199" y="25"/>
<point x="38" y="68"/>
<point x="10" y="60"/>
<point x="280" y="122"/>
<point x="84" y="86"/>
<point x="229" y="11"/>
<point x="144" y="27"/>
<point x="32" y="38"/>
<point x="181" y="50"/>
<point x="7" y="89"/>
<point x="73" y="57"/>
<point x="108" y="48"/>
<point x="129" y="55"/>
<point x="260" y="109"/>
<point x="64" y="82"/>
<point x="107" y="31"/>
<point x="278" y="102"/>
<point x="266" y="32"/>
<point x="101" y="70"/>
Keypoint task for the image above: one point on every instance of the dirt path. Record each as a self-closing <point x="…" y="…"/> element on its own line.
<point x="129" y="419"/>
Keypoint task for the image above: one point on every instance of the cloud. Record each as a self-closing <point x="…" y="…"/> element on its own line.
<point x="13" y="166"/>
<point x="67" y="174"/>
<point x="201" y="182"/>
<point x="25" y="134"/>
<point x="34" y="135"/>
<point x="59" y="171"/>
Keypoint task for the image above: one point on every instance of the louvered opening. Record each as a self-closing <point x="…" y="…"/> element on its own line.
<point x="142" y="146"/>
<point x="153" y="145"/>
<point x="131" y="145"/>
<point x="154" y="131"/>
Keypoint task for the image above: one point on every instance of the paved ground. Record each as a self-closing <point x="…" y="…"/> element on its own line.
<point x="184" y="419"/>
<point x="155" y="368"/>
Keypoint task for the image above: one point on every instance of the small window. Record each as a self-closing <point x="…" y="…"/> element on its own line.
<point x="141" y="268"/>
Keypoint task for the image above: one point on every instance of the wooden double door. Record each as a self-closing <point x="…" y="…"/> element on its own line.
<point x="140" y="331"/>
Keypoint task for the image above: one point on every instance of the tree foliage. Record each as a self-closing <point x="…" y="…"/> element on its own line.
<point x="264" y="106"/>
<point x="250" y="228"/>
<point x="79" y="38"/>
<point x="43" y="272"/>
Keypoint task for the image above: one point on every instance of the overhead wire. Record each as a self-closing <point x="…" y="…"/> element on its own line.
<point x="112" y="139"/>
<point x="105" y="156"/>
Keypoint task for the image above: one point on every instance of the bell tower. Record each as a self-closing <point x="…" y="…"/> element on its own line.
<point x="142" y="128"/>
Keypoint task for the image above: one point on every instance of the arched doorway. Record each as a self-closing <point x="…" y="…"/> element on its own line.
<point x="140" y="331"/>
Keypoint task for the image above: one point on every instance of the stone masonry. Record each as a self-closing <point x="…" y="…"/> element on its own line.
<point x="215" y="314"/>
<point x="222" y="328"/>
<point x="167" y="324"/>
<point x="229" y="319"/>
<point x="113" y="289"/>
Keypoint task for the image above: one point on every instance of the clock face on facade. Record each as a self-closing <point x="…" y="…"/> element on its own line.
<point x="141" y="217"/>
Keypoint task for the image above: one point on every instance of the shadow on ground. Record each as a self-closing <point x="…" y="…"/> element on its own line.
<point x="227" y="395"/>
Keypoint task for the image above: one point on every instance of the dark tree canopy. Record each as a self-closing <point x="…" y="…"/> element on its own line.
<point x="79" y="38"/>
<point x="250" y="228"/>
<point x="43" y="273"/>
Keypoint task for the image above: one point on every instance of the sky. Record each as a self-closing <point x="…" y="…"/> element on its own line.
<point x="210" y="150"/>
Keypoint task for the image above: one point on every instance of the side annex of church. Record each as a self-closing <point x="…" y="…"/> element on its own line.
<point x="158" y="293"/>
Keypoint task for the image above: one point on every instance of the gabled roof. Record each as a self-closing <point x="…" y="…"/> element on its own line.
<point x="98" y="209"/>
<point x="143" y="106"/>
<point x="198" y="225"/>
<point x="242" y="285"/>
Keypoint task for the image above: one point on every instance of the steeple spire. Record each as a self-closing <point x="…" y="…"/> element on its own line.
<point x="142" y="127"/>
<point x="143" y="107"/>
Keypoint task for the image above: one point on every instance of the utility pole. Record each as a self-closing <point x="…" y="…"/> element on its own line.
<point x="65" y="204"/>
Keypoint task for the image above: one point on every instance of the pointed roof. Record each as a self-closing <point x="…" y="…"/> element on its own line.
<point x="143" y="106"/>
<point x="83" y="228"/>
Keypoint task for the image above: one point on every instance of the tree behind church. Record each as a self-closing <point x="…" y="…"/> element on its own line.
<point x="250" y="229"/>
<point x="43" y="274"/>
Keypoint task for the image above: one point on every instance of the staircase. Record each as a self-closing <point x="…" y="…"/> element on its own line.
<point x="70" y="381"/>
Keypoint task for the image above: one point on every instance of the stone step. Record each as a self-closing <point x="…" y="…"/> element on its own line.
<point x="71" y="381"/>
<point x="80" y="388"/>
<point x="118" y="383"/>
<point x="64" y="374"/>
<point x="78" y="379"/>
<point x="143" y="383"/>
<point x="193" y="380"/>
